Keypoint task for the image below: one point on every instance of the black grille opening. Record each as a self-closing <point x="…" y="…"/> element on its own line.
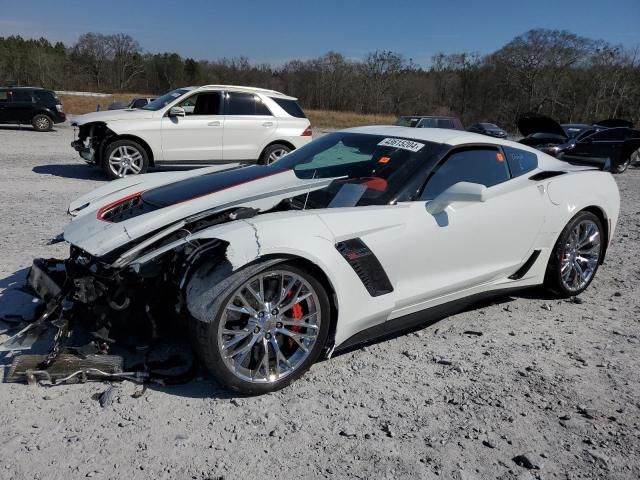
<point x="366" y="265"/>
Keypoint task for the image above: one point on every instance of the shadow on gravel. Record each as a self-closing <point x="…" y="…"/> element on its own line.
<point x="25" y="128"/>
<point x="79" y="171"/>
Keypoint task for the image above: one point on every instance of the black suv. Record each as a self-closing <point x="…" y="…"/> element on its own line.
<point x="37" y="106"/>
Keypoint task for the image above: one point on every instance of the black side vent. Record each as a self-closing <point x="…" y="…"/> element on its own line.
<point x="522" y="271"/>
<point x="366" y="265"/>
<point x="544" y="175"/>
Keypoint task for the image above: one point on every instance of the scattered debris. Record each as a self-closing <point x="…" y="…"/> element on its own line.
<point x="106" y="397"/>
<point x="527" y="461"/>
<point x="472" y="333"/>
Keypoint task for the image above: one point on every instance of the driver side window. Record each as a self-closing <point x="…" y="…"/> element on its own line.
<point x="486" y="166"/>
<point x="204" y="103"/>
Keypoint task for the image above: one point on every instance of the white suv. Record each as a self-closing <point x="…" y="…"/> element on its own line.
<point x="193" y="126"/>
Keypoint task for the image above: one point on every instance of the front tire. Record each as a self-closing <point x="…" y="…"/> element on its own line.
<point x="42" y="123"/>
<point x="273" y="153"/>
<point x="576" y="255"/>
<point x="268" y="327"/>
<point x="123" y="158"/>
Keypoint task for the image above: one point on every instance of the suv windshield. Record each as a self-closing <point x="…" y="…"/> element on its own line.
<point x="368" y="169"/>
<point x="165" y="99"/>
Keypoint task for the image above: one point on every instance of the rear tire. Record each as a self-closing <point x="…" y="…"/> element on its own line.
<point x="273" y="152"/>
<point x="42" y="123"/>
<point x="576" y="255"/>
<point x="622" y="167"/>
<point x="237" y="360"/>
<point x="123" y="158"/>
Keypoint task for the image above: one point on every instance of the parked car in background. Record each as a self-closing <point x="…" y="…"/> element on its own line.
<point x="610" y="141"/>
<point x="194" y="126"/>
<point x="429" y="121"/>
<point x="489" y="129"/>
<point x="30" y="105"/>
<point x="572" y="130"/>
<point x="137" y="102"/>
<point x="140" y="102"/>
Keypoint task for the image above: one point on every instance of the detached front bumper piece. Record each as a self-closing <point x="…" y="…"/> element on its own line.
<point x="87" y="153"/>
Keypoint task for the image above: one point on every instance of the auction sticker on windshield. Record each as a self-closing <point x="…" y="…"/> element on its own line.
<point x="401" y="143"/>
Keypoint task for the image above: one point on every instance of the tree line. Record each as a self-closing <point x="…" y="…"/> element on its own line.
<point x="558" y="73"/>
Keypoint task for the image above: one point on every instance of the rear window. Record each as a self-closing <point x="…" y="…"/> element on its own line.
<point x="520" y="161"/>
<point x="245" y="104"/>
<point x="44" y="96"/>
<point x="290" y="106"/>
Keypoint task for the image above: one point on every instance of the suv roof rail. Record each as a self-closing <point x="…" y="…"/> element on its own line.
<point x="239" y="87"/>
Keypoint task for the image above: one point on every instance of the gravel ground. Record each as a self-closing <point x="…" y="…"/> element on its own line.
<point x="544" y="383"/>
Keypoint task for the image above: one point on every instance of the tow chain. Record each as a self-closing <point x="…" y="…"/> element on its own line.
<point x="58" y="341"/>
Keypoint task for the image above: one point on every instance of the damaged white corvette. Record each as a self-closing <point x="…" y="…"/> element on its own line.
<point x="359" y="234"/>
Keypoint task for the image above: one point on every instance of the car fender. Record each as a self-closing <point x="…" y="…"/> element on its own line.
<point x="147" y="130"/>
<point x="304" y="235"/>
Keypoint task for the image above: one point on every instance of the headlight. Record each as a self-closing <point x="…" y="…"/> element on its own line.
<point x="59" y="107"/>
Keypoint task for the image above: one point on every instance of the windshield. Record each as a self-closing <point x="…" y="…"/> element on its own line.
<point x="368" y="169"/>
<point x="490" y="125"/>
<point x="165" y="99"/>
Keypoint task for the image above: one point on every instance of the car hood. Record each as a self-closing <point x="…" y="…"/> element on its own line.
<point x="164" y="199"/>
<point x="531" y="123"/>
<point x="112" y="116"/>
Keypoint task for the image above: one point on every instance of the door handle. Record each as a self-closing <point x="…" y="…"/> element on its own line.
<point x="267" y="124"/>
<point x="215" y="123"/>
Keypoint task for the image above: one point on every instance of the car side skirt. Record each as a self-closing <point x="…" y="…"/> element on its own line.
<point x="421" y="319"/>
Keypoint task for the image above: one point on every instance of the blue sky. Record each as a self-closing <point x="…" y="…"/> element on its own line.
<point x="277" y="31"/>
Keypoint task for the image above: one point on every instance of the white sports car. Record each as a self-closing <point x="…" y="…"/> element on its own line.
<point x="357" y="235"/>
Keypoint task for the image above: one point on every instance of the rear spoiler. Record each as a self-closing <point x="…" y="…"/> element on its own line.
<point x="601" y="163"/>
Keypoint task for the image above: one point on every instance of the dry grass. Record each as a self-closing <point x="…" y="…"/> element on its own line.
<point x="332" y="119"/>
<point x="76" y="105"/>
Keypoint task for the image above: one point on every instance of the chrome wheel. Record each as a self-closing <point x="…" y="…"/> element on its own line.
<point x="580" y="256"/>
<point x="276" y="155"/>
<point x="125" y="160"/>
<point x="42" y="123"/>
<point x="269" y="326"/>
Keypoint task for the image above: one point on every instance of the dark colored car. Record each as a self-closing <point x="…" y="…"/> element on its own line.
<point x="610" y="141"/>
<point x="572" y="130"/>
<point x="140" y="102"/>
<point x="429" y="121"/>
<point x="137" y="102"/>
<point x="489" y="129"/>
<point x="30" y="105"/>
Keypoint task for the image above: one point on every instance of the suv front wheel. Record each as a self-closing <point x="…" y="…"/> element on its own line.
<point x="42" y="123"/>
<point x="123" y="158"/>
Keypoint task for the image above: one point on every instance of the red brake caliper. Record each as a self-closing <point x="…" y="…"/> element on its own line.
<point x="296" y="314"/>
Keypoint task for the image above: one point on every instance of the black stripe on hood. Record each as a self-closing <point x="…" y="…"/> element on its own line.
<point x="199" y="186"/>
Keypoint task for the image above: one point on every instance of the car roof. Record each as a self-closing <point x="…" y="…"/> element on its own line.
<point x="12" y="87"/>
<point x="264" y="91"/>
<point x="453" y="138"/>
<point x="426" y="116"/>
